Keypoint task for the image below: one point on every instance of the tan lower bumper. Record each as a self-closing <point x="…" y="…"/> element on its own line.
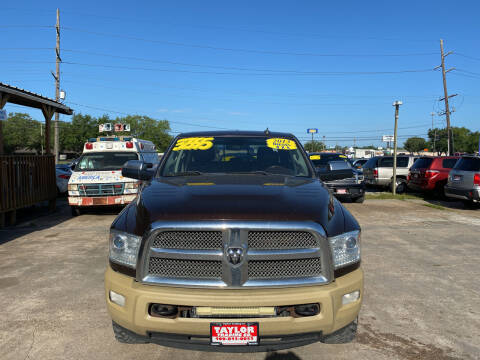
<point x="134" y="315"/>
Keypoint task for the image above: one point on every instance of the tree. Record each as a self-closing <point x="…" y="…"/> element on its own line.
<point x="464" y="140"/>
<point x="415" y="144"/>
<point x="313" y="146"/>
<point x="146" y="128"/>
<point x="21" y="132"/>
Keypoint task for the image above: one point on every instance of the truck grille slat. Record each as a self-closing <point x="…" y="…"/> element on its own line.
<point x="279" y="269"/>
<point x="190" y="269"/>
<point x="281" y="240"/>
<point x="198" y="240"/>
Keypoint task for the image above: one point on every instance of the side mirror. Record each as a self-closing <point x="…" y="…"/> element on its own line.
<point x="136" y="169"/>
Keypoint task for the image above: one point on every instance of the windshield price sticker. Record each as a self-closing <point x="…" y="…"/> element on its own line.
<point x="234" y="333"/>
<point x="194" y="143"/>
<point x="281" y="144"/>
<point x="314" y="157"/>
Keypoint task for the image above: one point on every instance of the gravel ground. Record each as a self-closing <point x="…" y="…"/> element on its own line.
<point x="421" y="294"/>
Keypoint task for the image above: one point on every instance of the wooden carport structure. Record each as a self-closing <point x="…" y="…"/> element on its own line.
<point x="26" y="180"/>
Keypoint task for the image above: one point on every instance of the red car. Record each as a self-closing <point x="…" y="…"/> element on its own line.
<point x="430" y="173"/>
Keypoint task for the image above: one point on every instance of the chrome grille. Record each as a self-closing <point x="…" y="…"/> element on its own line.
<point x="273" y="269"/>
<point x="203" y="240"/>
<point x="281" y="240"/>
<point x="187" y="269"/>
<point x="100" y="189"/>
<point x="235" y="254"/>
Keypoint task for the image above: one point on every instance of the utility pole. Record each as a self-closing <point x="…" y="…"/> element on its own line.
<point x="435" y="132"/>
<point x="447" y="109"/>
<point x="394" y="183"/>
<point x="57" y="87"/>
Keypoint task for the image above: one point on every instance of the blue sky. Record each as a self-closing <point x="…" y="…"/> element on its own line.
<point x="285" y="65"/>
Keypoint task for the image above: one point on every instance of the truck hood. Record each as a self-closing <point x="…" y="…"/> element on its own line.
<point x="225" y="197"/>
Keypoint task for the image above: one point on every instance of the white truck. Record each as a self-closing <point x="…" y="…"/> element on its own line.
<point x="97" y="178"/>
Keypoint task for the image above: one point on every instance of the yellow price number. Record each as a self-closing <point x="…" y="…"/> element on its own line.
<point x="194" y="143"/>
<point x="281" y="144"/>
<point x="315" y="157"/>
<point x="342" y="156"/>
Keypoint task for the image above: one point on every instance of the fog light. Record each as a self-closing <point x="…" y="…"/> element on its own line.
<point x="307" y="309"/>
<point x="350" y="297"/>
<point x="163" y="310"/>
<point x="117" y="298"/>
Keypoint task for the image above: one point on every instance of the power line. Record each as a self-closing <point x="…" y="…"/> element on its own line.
<point x="467" y="56"/>
<point x="338" y="73"/>
<point x="209" y="47"/>
<point x="124" y="113"/>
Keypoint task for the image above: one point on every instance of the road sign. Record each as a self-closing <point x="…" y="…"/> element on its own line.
<point x="3" y="114"/>
<point x="312" y="131"/>
<point x="387" y="138"/>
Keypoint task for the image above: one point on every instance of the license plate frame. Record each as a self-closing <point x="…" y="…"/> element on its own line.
<point x="234" y="340"/>
<point x="457" y="177"/>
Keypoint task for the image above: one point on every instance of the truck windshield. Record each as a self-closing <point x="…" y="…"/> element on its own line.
<point x="322" y="160"/>
<point x="236" y="155"/>
<point x="104" y="161"/>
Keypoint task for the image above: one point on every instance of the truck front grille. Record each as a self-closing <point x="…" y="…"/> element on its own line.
<point x="100" y="189"/>
<point x="235" y="254"/>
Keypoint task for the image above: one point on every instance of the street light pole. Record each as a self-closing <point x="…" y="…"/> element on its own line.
<point x="394" y="183"/>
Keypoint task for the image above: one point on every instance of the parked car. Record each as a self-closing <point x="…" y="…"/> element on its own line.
<point x="378" y="171"/>
<point x="62" y="175"/>
<point x="464" y="180"/>
<point x="430" y="174"/>
<point x="339" y="176"/>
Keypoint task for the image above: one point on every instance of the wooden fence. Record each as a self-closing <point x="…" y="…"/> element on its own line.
<point x="24" y="181"/>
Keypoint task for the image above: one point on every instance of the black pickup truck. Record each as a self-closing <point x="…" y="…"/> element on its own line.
<point x="339" y="176"/>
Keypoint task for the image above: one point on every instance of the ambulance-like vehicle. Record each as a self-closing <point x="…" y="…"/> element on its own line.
<point x="97" y="178"/>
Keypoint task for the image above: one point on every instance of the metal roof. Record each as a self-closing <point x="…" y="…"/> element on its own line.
<point x="27" y="98"/>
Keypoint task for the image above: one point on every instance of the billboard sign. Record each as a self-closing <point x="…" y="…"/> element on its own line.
<point x="312" y="131"/>
<point x="387" y="138"/>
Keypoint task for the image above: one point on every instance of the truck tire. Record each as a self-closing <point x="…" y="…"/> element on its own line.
<point x="401" y="186"/>
<point x="342" y="336"/>
<point x="75" y="211"/>
<point x="359" y="200"/>
<point x="126" y="336"/>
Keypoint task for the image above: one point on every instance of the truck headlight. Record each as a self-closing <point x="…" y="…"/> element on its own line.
<point x="124" y="248"/>
<point x="345" y="248"/>
<point x="73" y="187"/>
<point x="131" y="188"/>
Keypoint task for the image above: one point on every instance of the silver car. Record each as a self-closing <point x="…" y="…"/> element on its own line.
<point x="378" y="171"/>
<point x="464" y="180"/>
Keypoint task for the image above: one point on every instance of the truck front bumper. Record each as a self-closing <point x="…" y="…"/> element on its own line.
<point x="100" y="200"/>
<point x="134" y="315"/>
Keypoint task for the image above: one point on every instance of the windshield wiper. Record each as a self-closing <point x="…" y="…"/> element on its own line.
<point x="186" y="173"/>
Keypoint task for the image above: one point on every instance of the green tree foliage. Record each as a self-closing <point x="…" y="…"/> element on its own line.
<point x="415" y="144"/>
<point x="22" y="133"/>
<point x="464" y="140"/>
<point x="313" y="146"/>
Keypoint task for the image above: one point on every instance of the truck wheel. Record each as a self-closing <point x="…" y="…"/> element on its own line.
<point x="126" y="336"/>
<point x="75" y="211"/>
<point x="359" y="200"/>
<point x="342" y="336"/>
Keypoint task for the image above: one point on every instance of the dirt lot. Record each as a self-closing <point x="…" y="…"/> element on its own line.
<point x="422" y="298"/>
